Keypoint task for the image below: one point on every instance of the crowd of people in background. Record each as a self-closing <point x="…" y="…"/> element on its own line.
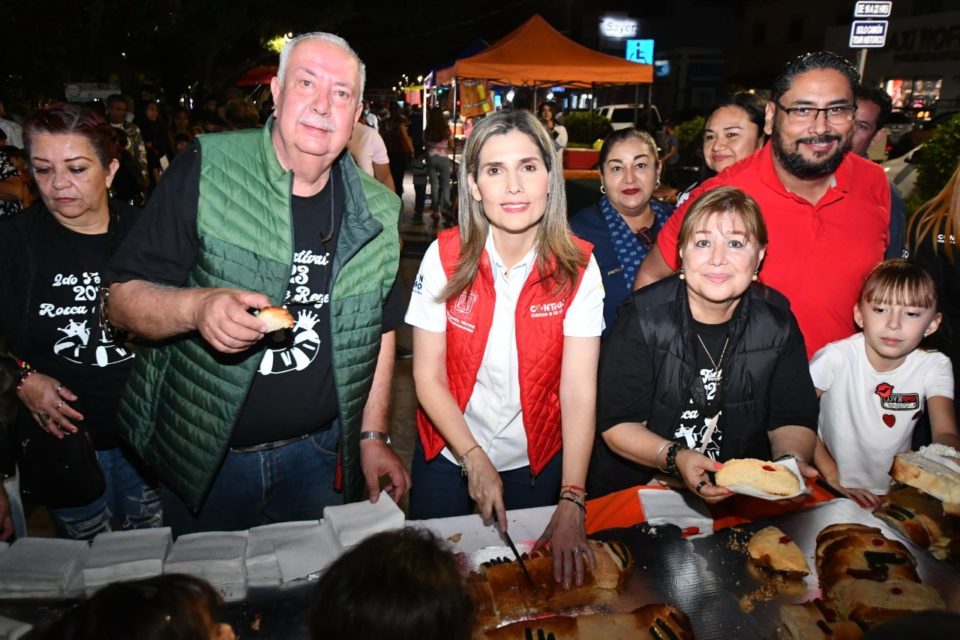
<point x="557" y="354"/>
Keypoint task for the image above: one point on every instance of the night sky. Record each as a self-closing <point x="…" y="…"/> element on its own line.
<point x="206" y="44"/>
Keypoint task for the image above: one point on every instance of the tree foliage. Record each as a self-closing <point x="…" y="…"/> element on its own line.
<point x="938" y="159"/>
<point x="586" y="127"/>
<point x="690" y="139"/>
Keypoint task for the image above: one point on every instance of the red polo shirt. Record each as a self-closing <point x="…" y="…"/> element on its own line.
<point x="818" y="255"/>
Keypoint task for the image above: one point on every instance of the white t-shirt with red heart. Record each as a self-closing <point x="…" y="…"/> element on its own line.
<point x="867" y="416"/>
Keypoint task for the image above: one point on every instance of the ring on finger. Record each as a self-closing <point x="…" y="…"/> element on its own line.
<point x="576" y="550"/>
<point x="700" y="485"/>
<point x="59" y="386"/>
<point x="59" y="404"/>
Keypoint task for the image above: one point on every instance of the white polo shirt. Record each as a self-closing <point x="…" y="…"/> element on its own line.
<point x="493" y="412"/>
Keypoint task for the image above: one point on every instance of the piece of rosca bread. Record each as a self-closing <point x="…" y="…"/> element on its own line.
<point x="276" y="318"/>
<point x="653" y="621"/>
<point x="834" y="531"/>
<point x="772" y="548"/>
<point x="769" y="477"/>
<point x="865" y="556"/>
<point x="871" y="602"/>
<point x="511" y="597"/>
<point x="815" y="620"/>
<point x="921" y="519"/>
<point x="930" y="476"/>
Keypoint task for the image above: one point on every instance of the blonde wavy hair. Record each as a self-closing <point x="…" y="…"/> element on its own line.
<point x="558" y="257"/>
<point x="940" y="215"/>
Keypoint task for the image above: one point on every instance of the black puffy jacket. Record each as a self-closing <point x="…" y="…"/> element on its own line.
<point x="763" y="332"/>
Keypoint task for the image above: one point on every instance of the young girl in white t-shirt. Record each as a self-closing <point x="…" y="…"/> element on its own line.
<point x="873" y="385"/>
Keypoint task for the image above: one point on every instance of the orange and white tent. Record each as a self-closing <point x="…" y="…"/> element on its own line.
<point x="537" y="54"/>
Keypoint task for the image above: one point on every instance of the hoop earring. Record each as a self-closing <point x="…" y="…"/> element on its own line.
<point x="682" y="275"/>
<point x="603" y="189"/>
<point x="658" y="183"/>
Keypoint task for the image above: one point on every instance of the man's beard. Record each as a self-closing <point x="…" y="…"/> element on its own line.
<point x="801" y="167"/>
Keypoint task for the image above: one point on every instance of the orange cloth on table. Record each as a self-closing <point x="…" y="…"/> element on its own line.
<point x="617" y="510"/>
<point x="623" y="509"/>
<point x="741" y="509"/>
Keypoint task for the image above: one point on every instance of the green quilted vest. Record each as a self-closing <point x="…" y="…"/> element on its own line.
<point x="182" y="401"/>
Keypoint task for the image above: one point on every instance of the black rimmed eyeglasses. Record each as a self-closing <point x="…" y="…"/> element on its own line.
<point x="836" y="114"/>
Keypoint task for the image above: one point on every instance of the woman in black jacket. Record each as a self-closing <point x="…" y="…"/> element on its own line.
<point x="705" y="366"/>
<point x="71" y="370"/>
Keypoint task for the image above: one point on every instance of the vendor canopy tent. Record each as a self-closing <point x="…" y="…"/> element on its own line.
<point x="536" y="54"/>
<point x="443" y="74"/>
<point x="261" y="74"/>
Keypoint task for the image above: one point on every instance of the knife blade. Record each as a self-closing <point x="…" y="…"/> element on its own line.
<point x="516" y="554"/>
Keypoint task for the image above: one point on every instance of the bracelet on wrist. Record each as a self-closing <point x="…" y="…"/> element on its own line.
<point x="671" y="463"/>
<point x="376" y="435"/>
<point x="24" y="374"/>
<point x="656" y="458"/>
<point x="574" y="488"/>
<point x="463" y="457"/>
<point x="580" y="505"/>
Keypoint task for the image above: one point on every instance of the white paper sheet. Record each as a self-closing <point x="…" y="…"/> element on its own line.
<point x="683" y="509"/>
<point x="355" y="521"/>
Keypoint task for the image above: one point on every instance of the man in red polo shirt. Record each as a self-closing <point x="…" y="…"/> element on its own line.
<point x="827" y="211"/>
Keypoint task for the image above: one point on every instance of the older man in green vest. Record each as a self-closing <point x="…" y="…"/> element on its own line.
<point x="246" y="427"/>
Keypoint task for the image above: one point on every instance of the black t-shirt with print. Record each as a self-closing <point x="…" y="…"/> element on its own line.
<point x="65" y="340"/>
<point x="295" y="373"/>
<point x="162" y="247"/>
<point x="694" y="420"/>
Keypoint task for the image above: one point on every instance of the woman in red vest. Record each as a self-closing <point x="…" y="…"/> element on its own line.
<point x="507" y="312"/>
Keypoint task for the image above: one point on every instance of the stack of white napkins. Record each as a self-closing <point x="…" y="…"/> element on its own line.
<point x="683" y="509"/>
<point x="215" y="556"/>
<point x="358" y="520"/>
<point x="286" y="551"/>
<point x="11" y="629"/>
<point x="42" y="568"/>
<point x="309" y="553"/>
<point x="125" y="555"/>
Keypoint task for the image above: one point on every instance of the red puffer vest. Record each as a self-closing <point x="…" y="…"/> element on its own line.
<point x="539" y="335"/>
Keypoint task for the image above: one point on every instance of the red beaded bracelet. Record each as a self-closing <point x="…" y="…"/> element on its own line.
<point x="574" y="487"/>
<point x="23" y="377"/>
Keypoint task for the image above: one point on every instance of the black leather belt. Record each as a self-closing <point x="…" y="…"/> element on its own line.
<point x="267" y="446"/>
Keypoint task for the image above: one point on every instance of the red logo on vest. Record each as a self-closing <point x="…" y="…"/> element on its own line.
<point x="460" y="314"/>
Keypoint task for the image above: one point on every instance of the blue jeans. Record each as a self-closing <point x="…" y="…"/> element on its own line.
<point x="129" y="502"/>
<point x="289" y="482"/>
<point x="438" y="168"/>
<point x="440" y="489"/>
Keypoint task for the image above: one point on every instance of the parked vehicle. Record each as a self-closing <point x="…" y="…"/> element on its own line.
<point x="902" y="171"/>
<point x="898" y="125"/>
<point x="622" y="116"/>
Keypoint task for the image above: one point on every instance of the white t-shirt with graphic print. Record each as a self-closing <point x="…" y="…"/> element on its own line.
<point x="493" y="412"/>
<point x="866" y="416"/>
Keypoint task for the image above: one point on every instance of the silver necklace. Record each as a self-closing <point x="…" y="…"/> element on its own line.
<point x="716" y="364"/>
